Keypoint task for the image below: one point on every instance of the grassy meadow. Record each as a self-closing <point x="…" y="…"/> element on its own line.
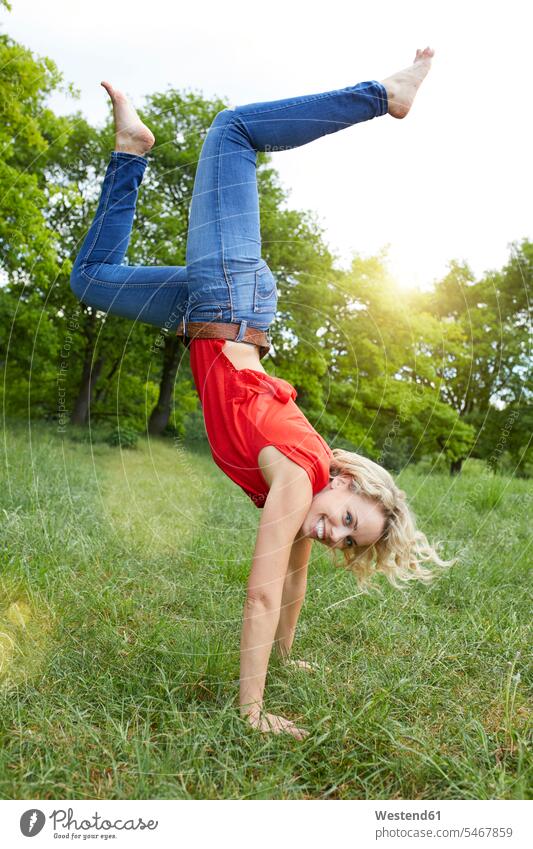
<point x="122" y="581"/>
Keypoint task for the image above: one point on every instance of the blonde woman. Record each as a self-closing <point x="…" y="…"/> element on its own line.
<point x="223" y="302"/>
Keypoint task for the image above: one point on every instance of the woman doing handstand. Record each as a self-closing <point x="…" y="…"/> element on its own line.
<point x="223" y="302"/>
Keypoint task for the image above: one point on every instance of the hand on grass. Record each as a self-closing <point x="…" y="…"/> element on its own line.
<point x="270" y="723"/>
<point x="305" y="664"/>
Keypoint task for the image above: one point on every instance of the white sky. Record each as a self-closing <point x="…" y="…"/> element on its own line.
<point x="453" y="180"/>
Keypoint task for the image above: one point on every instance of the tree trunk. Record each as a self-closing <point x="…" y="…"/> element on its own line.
<point x="102" y="392"/>
<point x="161" y="412"/>
<point x="456" y="466"/>
<point x="89" y="375"/>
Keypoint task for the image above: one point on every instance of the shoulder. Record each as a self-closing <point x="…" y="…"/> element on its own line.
<point x="289" y="496"/>
<point x="279" y="470"/>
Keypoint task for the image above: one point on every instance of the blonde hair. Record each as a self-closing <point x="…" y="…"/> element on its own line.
<point x="402" y="549"/>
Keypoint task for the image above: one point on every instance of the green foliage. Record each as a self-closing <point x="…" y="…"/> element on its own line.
<point x="194" y="429"/>
<point x="29" y="133"/>
<point x="123" y="436"/>
<point x="382" y="371"/>
<point x="489" y="495"/>
<point x="485" y="370"/>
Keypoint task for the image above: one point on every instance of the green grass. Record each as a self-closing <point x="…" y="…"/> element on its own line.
<point x="121" y="589"/>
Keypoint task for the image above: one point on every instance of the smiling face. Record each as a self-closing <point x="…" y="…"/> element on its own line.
<point x="341" y="518"/>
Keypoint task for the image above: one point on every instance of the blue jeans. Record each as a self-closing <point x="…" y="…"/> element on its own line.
<point x="225" y="279"/>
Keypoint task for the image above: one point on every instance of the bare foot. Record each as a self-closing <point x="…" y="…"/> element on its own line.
<point x="131" y="135"/>
<point x="403" y="86"/>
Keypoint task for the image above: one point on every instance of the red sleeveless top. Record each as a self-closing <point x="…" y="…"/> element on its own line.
<point x="245" y="410"/>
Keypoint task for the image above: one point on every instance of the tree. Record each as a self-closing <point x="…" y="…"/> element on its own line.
<point x="384" y="381"/>
<point x="488" y="370"/>
<point x="29" y="132"/>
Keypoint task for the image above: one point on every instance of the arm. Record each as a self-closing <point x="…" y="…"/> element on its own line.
<point x="285" y="509"/>
<point x="293" y="596"/>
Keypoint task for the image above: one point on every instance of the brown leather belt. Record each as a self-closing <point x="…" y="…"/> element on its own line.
<point x="221" y="330"/>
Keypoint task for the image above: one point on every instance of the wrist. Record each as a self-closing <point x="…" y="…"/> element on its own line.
<point x="251" y="709"/>
<point x="282" y="647"/>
